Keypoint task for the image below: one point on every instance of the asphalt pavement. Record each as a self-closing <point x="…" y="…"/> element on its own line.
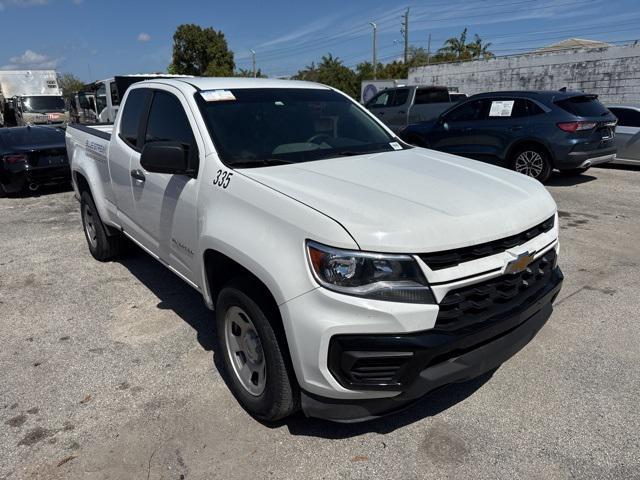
<point x="108" y="370"/>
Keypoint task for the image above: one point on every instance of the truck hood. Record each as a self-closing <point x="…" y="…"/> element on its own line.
<point x="415" y="200"/>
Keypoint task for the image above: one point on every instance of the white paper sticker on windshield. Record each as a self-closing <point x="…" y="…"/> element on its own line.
<point x="217" y="95"/>
<point x="395" y="146"/>
<point x="501" y="108"/>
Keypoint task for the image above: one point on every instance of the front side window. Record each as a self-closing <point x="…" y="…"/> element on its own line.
<point x="467" y="112"/>
<point x="168" y="122"/>
<point x="133" y="110"/>
<point x="115" y="98"/>
<point x="260" y="126"/>
<point x="383" y="99"/>
<point x="401" y="97"/>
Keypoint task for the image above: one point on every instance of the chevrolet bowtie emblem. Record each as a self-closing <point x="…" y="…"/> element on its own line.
<point x="519" y="264"/>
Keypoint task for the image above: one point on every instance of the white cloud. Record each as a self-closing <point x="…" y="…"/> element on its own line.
<point x="22" y="3"/>
<point x="32" y="60"/>
<point x="144" y="37"/>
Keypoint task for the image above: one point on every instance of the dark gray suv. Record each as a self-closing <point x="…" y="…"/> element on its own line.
<point x="530" y="132"/>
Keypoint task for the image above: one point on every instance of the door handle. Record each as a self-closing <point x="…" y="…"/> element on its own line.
<point x="138" y="175"/>
<point x="380" y="113"/>
<point x="402" y="111"/>
<point x="515" y="128"/>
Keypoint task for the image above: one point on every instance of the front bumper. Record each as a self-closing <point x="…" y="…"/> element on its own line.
<point x="440" y="358"/>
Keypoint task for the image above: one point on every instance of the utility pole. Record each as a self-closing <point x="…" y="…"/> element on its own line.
<point x="405" y="32"/>
<point x="375" y="60"/>
<point x="253" y="58"/>
<point x="429" y="50"/>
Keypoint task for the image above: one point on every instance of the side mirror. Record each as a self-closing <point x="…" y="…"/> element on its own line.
<point x="165" y="157"/>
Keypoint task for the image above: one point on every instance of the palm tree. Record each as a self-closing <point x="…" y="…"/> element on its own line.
<point x="455" y="48"/>
<point x="479" y="49"/>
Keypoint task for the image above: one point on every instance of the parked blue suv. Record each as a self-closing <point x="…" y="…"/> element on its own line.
<point x="529" y="132"/>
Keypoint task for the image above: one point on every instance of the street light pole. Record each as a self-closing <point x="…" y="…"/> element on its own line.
<point x="253" y="58"/>
<point x="375" y="60"/>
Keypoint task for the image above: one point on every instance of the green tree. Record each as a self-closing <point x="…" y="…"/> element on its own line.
<point x="479" y="49"/>
<point x="245" y="72"/>
<point x="69" y="83"/>
<point x="201" y="51"/>
<point x="331" y="71"/>
<point x="456" y="47"/>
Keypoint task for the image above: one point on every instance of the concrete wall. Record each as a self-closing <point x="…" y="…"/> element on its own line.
<point x="613" y="73"/>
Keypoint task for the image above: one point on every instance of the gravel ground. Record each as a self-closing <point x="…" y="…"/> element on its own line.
<point x="108" y="370"/>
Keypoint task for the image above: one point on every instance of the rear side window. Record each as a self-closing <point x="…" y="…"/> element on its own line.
<point x="401" y="97"/>
<point x="583" y="106"/>
<point x="131" y="114"/>
<point x="424" y="95"/>
<point x="627" y="117"/>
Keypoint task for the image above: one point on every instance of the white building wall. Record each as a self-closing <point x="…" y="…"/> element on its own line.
<point x="613" y="73"/>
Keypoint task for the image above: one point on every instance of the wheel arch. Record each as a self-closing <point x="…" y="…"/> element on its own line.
<point x="521" y="143"/>
<point x="220" y="269"/>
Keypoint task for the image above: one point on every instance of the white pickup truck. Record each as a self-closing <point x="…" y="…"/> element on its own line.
<point x="350" y="273"/>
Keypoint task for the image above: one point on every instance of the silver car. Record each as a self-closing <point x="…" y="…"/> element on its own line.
<point x="627" y="137"/>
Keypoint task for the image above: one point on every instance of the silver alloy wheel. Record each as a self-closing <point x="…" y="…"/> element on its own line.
<point x="89" y="226"/>
<point x="530" y="163"/>
<point x="244" y="350"/>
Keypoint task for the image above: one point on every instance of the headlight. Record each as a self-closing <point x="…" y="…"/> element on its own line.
<point x="393" y="278"/>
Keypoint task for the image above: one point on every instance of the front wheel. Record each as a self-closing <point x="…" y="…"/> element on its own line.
<point x="533" y="162"/>
<point x="102" y="246"/>
<point x="254" y="361"/>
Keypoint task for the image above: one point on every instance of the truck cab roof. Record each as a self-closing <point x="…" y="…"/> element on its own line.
<point x="216" y="83"/>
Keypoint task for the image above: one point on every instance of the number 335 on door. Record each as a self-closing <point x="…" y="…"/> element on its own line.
<point x="222" y="179"/>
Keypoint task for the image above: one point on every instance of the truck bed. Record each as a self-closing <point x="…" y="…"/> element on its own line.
<point x="102" y="130"/>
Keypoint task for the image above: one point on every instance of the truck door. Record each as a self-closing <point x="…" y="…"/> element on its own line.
<point x="164" y="205"/>
<point x="396" y="115"/>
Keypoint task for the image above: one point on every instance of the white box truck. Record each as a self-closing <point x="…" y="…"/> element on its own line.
<point x="31" y="97"/>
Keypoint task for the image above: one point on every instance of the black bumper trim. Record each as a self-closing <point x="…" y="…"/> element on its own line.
<point x="468" y="365"/>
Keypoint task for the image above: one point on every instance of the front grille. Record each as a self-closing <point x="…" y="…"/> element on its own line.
<point x="480" y="302"/>
<point x="451" y="258"/>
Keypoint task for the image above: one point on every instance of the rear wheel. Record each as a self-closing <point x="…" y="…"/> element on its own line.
<point x="254" y="359"/>
<point x="532" y="161"/>
<point x="102" y="246"/>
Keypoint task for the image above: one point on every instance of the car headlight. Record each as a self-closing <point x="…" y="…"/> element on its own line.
<point x="388" y="277"/>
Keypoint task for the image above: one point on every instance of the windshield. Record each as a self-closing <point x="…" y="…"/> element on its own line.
<point x="43" y="104"/>
<point x="262" y="126"/>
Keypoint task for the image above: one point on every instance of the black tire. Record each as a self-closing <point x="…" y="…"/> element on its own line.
<point x="280" y="395"/>
<point x="103" y="247"/>
<point x="3" y="192"/>
<point x="574" y="171"/>
<point x="534" y="156"/>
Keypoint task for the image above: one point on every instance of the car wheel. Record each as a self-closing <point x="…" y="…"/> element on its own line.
<point x="254" y="359"/>
<point x="3" y="192"/>
<point x="103" y="247"/>
<point x="533" y="162"/>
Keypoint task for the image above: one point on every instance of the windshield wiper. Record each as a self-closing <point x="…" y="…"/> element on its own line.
<point x="262" y="162"/>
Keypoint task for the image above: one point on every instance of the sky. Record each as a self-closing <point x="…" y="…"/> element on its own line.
<point x="98" y="39"/>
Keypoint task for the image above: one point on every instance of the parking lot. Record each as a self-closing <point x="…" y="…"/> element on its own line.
<point x="109" y="370"/>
